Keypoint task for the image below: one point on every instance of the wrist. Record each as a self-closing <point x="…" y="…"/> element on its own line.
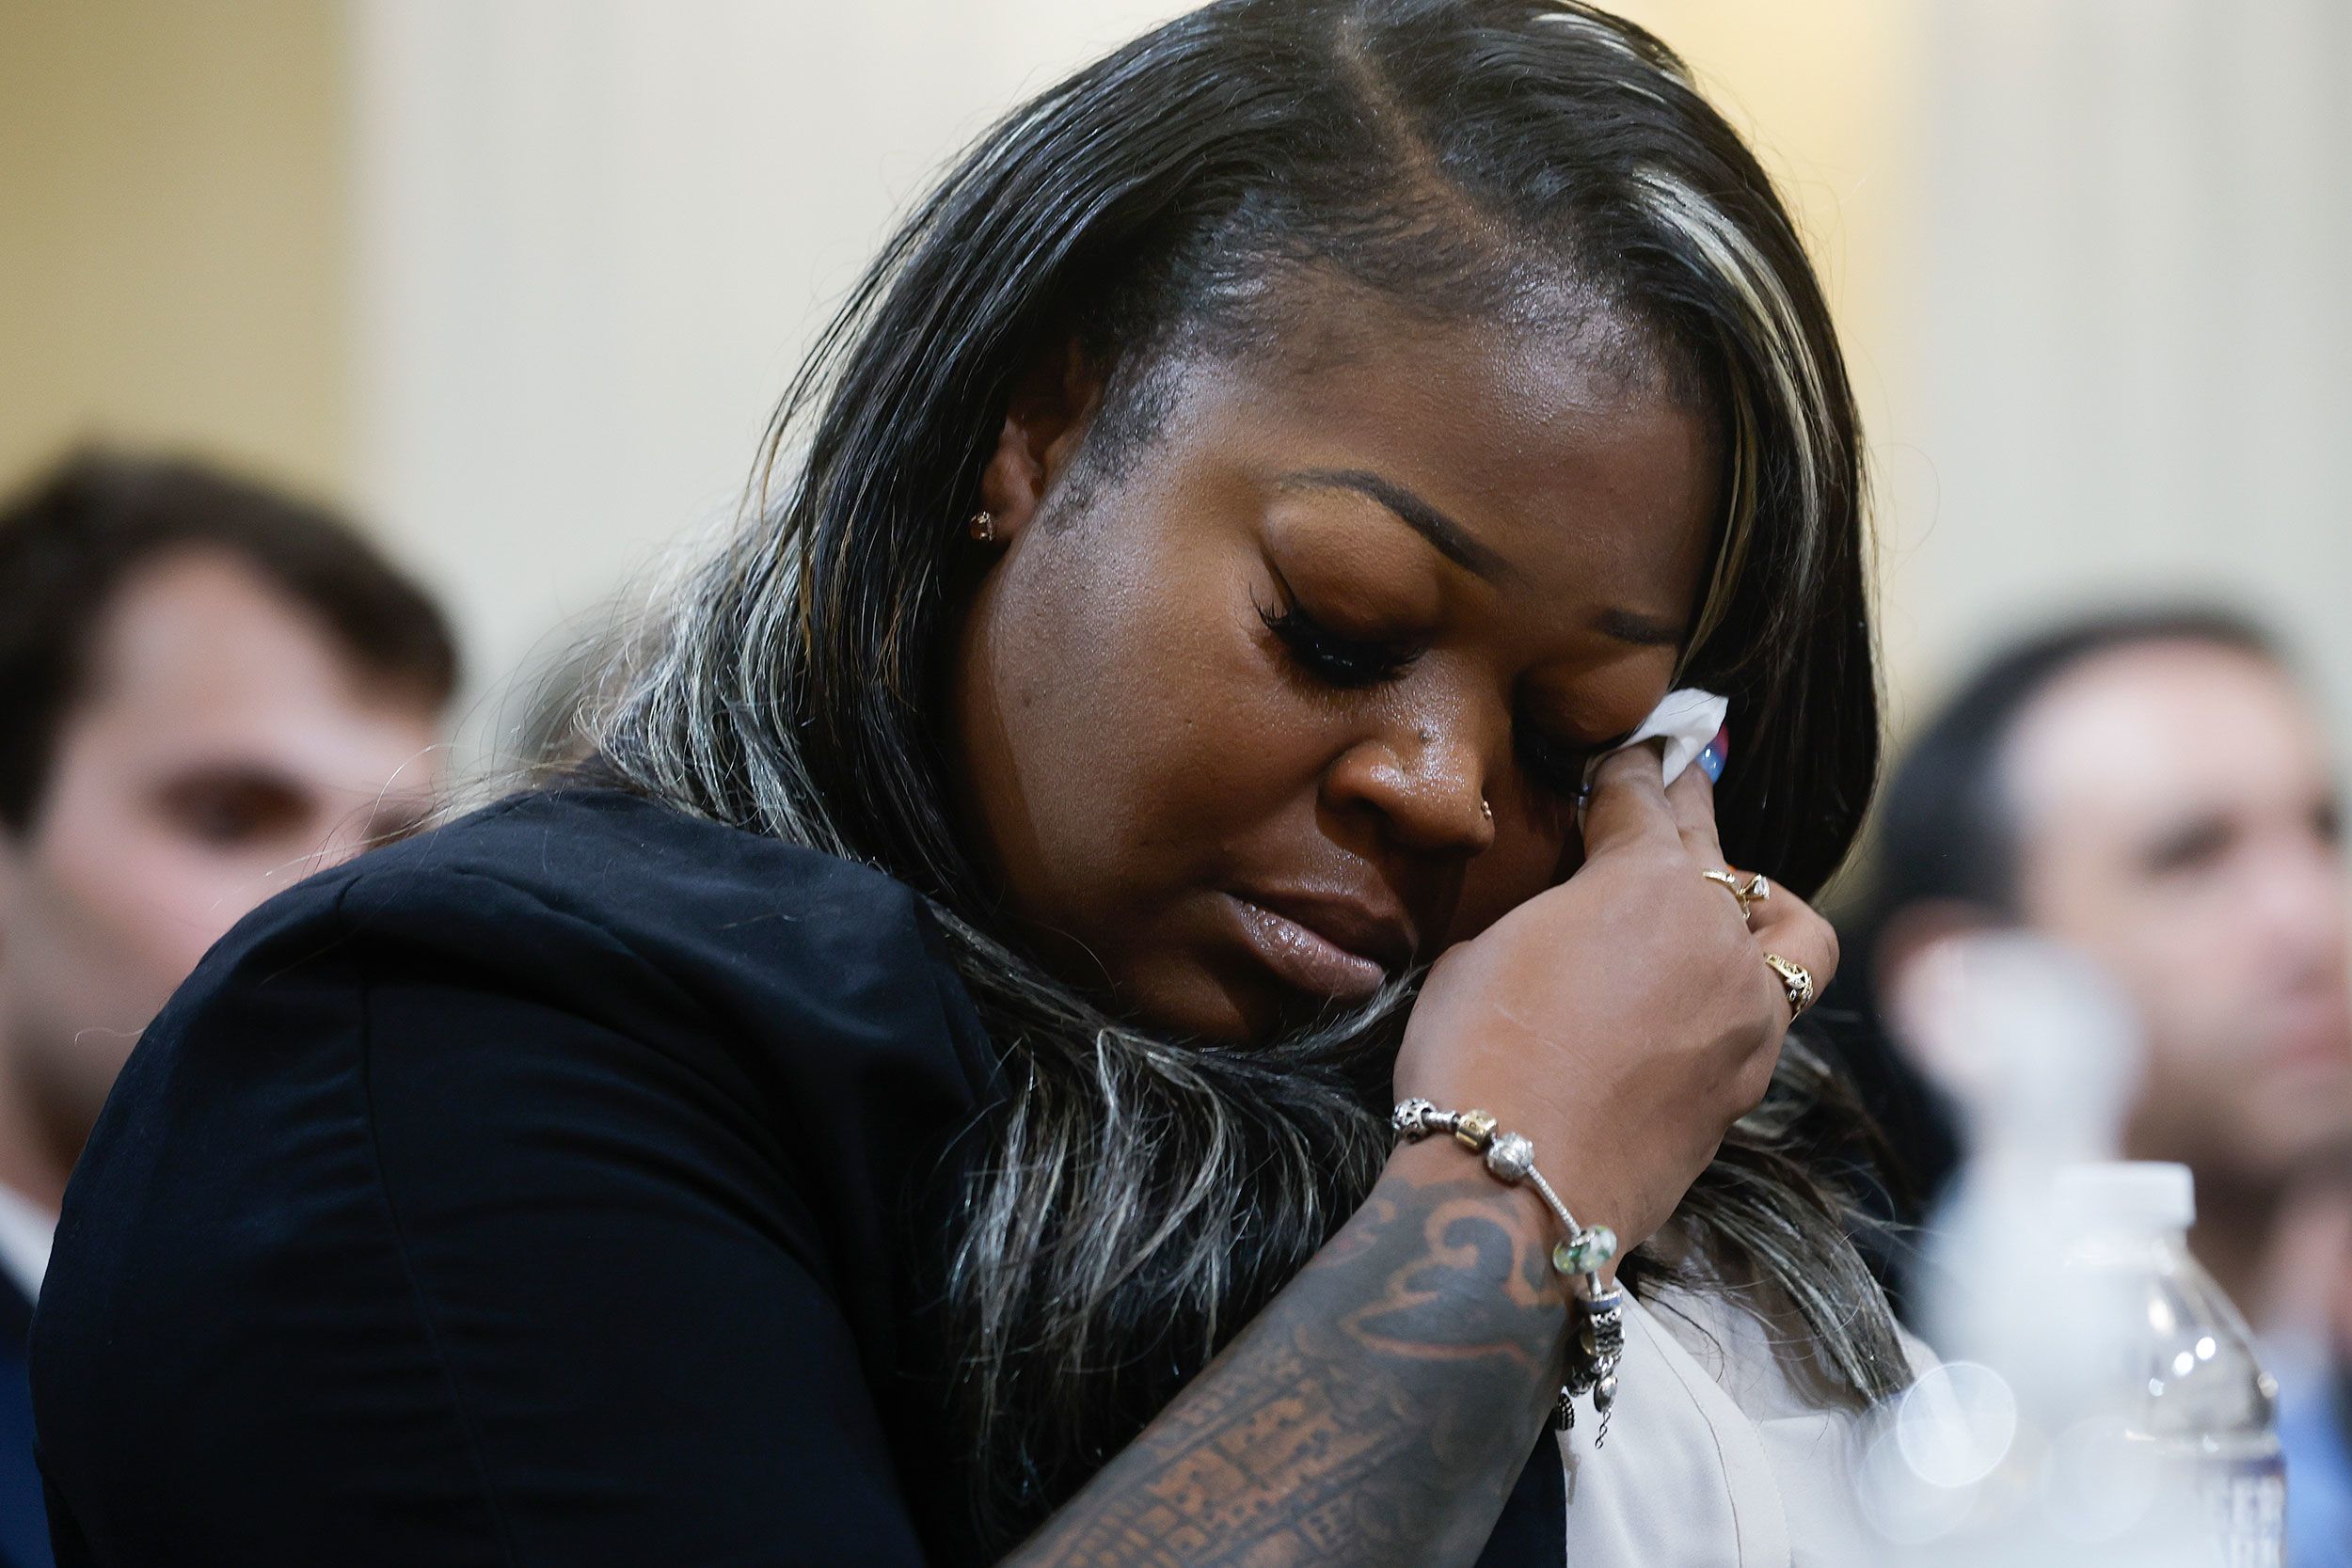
<point x="1533" y="1207"/>
<point x="1435" y="1162"/>
<point x="1440" y="1162"/>
<point x="1584" y="1252"/>
<point x="1444" y="1191"/>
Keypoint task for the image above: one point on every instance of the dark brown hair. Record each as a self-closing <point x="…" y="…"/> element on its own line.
<point x="72" y="538"/>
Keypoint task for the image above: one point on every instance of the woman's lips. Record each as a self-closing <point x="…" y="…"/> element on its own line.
<point x="1306" y="958"/>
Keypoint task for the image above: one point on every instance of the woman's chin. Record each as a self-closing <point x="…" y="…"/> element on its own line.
<point x="1193" y="1000"/>
<point x="1207" y="976"/>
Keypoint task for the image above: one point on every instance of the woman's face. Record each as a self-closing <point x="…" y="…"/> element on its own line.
<point x="1229" y="709"/>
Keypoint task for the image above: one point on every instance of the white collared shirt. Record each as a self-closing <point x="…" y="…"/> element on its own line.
<point x="27" y="1230"/>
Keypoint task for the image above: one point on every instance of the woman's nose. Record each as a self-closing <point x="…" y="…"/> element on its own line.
<point x="1425" y="780"/>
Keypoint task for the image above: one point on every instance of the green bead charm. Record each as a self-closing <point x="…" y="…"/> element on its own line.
<point x="1586" y="1251"/>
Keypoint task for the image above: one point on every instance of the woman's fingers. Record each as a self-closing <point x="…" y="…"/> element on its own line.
<point x="1786" y="925"/>
<point x="1628" y="800"/>
<point x="1630" y="797"/>
<point x="1691" y="799"/>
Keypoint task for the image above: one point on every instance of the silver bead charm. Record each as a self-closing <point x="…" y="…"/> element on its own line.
<point x="1411" y="1117"/>
<point x="1510" y="1157"/>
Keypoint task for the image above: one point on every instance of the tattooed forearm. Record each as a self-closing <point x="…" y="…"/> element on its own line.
<point x="1376" y="1411"/>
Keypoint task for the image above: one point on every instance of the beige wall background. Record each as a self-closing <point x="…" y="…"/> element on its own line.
<point x="522" y="278"/>
<point x="2128" y="318"/>
<point x="175" y="194"/>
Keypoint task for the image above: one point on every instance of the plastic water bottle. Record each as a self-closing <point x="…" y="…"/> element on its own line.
<point x="2179" y="1418"/>
<point x="2040" y="1056"/>
<point x="2098" y="1403"/>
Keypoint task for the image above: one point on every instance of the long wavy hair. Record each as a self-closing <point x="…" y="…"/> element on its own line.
<point x="1139" y="1197"/>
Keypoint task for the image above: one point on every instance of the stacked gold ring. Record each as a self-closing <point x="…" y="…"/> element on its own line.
<point x="1755" y="890"/>
<point x="1796" y="979"/>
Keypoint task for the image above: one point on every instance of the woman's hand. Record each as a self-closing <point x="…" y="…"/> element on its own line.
<point x="1624" y="1020"/>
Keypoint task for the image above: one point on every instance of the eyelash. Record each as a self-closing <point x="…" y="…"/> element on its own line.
<point x="1352" y="663"/>
<point x="1347" y="662"/>
<point x="1558" y="769"/>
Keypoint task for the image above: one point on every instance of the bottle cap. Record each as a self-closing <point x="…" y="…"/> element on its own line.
<point x="2140" y="1196"/>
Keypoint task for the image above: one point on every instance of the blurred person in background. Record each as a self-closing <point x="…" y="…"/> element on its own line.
<point x="2154" y="792"/>
<point x="207" y="691"/>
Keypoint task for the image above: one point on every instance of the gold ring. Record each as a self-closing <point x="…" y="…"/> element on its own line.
<point x="1797" y="979"/>
<point x="1755" y="890"/>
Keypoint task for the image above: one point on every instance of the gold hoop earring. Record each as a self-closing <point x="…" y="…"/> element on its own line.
<point x="982" y="526"/>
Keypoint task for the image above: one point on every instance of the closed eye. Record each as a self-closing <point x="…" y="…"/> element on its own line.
<point x="1338" y="660"/>
<point x="1334" y="658"/>
<point x="1553" y="764"/>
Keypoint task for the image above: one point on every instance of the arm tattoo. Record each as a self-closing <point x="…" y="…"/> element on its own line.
<point x="1376" y="1413"/>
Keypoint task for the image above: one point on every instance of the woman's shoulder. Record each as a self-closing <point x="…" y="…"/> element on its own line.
<point x="626" y="909"/>
<point x="645" y="871"/>
<point x="623" y="1144"/>
<point x="567" y="963"/>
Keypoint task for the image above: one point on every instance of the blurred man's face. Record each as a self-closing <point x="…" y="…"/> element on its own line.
<point x="2178" y="818"/>
<point x="226" y="748"/>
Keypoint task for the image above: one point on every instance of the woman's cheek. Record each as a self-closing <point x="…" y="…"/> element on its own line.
<point x="1199" y="733"/>
<point x="1522" y="863"/>
<point x="1229" y="753"/>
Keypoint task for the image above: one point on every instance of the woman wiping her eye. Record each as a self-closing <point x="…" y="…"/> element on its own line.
<point x="1074" y="1014"/>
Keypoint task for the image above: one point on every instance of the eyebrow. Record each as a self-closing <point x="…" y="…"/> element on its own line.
<point x="1455" y="543"/>
<point x="1446" y="536"/>
<point x="1643" y="631"/>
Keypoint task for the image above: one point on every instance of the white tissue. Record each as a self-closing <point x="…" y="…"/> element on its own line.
<point x="1687" y="719"/>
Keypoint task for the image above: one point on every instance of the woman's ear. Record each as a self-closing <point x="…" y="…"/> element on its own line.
<point x="1044" y="422"/>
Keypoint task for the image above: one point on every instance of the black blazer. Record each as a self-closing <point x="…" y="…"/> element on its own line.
<point x="567" y="1186"/>
<point x="24" y="1530"/>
